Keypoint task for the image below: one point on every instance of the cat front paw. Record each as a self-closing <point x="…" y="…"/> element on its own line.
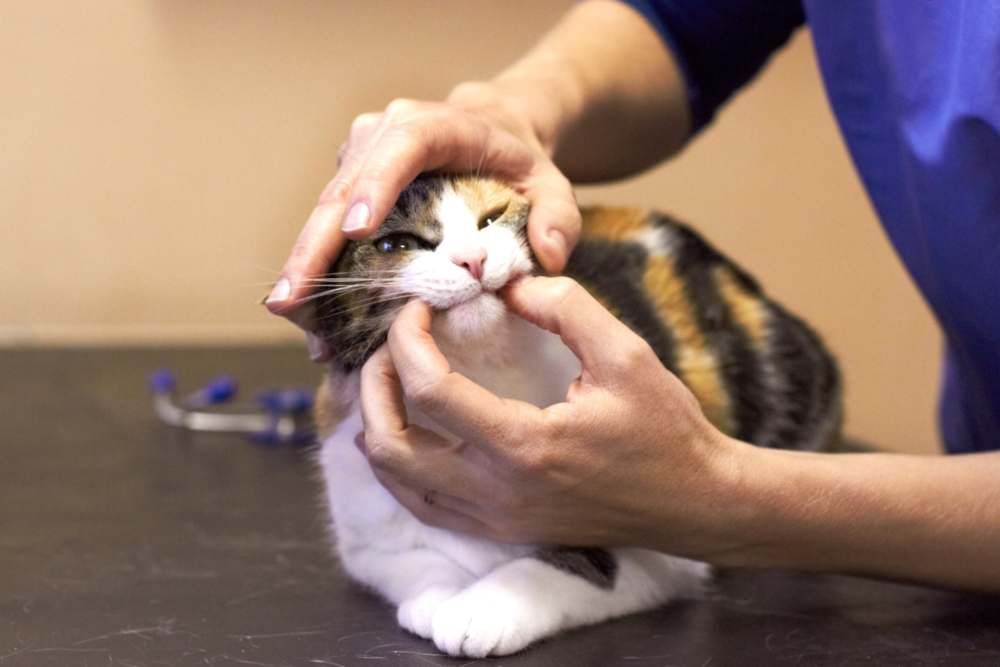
<point x="479" y="622"/>
<point x="417" y="613"/>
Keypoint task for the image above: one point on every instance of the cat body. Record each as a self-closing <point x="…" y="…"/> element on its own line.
<point x="453" y="242"/>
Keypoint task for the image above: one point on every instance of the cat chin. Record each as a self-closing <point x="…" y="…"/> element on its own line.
<point x="471" y="321"/>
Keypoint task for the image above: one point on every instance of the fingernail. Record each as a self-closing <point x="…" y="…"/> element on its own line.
<point x="318" y="348"/>
<point x="282" y="290"/>
<point x="356" y="218"/>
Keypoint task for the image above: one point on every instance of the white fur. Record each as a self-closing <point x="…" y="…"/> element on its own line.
<point x="471" y="596"/>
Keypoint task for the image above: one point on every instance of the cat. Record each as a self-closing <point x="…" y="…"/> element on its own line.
<point x="759" y="373"/>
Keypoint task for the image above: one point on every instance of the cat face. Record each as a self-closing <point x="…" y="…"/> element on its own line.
<point x="450" y="241"/>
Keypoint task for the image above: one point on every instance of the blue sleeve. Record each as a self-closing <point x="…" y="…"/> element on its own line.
<point x="720" y="44"/>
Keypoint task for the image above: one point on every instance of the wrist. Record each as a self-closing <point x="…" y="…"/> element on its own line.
<point x="536" y="102"/>
<point x="784" y="506"/>
<point x="741" y="522"/>
<point x="548" y="88"/>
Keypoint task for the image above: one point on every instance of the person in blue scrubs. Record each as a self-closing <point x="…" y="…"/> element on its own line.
<point x="629" y="459"/>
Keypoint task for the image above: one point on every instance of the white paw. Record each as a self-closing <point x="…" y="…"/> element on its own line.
<point x="417" y="613"/>
<point x="482" y="621"/>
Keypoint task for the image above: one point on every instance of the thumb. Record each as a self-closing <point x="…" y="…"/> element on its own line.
<point x="561" y="305"/>
<point x="553" y="222"/>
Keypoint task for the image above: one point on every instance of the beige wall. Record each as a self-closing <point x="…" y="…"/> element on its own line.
<point x="159" y="156"/>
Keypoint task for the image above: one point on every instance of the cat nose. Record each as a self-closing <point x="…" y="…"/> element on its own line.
<point x="471" y="259"/>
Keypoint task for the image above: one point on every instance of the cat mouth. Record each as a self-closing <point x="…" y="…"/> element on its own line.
<point x="478" y="289"/>
<point x="471" y="319"/>
<point x="470" y="298"/>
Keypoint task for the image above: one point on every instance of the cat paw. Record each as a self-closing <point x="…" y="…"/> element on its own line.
<point x="480" y="622"/>
<point x="417" y="613"/>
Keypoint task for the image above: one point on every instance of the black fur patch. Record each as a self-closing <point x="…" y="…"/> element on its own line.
<point x="613" y="272"/>
<point x="598" y="566"/>
<point x="356" y="323"/>
<point x="695" y="261"/>
<point x="811" y="378"/>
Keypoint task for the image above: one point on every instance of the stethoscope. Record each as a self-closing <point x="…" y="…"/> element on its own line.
<point x="281" y="416"/>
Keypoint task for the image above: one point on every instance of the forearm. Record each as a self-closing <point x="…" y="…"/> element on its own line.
<point x="934" y="520"/>
<point x="602" y="92"/>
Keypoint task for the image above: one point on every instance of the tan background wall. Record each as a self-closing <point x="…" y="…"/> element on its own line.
<point x="157" y="158"/>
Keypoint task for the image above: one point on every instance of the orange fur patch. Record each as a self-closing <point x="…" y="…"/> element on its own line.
<point x="614" y="224"/>
<point x="696" y="363"/>
<point x="745" y="307"/>
<point x="484" y="196"/>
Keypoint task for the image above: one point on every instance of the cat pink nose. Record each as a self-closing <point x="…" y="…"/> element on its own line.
<point x="471" y="259"/>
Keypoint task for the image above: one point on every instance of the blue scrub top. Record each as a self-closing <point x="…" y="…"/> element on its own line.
<point x="915" y="87"/>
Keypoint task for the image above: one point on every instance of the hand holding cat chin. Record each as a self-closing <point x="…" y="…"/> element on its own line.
<point x="627" y="459"/>
<point x="475" y="131"/>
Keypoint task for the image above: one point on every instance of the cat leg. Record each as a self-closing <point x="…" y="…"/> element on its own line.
<point x="417" y="580"/>
<point x="530" y="598"/>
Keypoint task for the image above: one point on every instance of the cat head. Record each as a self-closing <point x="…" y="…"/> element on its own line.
<point x="451" y="241"/>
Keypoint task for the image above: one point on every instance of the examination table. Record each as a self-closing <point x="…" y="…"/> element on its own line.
<point x="124" y="542"/>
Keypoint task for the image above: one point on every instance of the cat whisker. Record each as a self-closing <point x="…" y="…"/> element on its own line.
<point x="367" y="272"/>
<point x="335" y="291"/>
<point x="323" y="287"/>
<point x="383" y="326"/>
<point x="353" y="279"/>
<point x="365" y="284"/>
<point x="360" y="304"/>
<point x="367" y="281"/>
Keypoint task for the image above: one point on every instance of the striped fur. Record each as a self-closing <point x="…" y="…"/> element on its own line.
<point x="760" y="373"/>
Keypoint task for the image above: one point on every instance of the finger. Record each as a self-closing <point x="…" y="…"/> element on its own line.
<point x="382" y="407"/>
<point x="430" y="496"/>
<point x="321" y="240"/>
<point x="418" y="456"/>
<point x="439" y="513"/>
<point x="317" y="245"/>
<point x="459" y="405"/>
<point x="421" y="459"/>
<point x="362" y="129"/>
<point x="422" y="137"/>
<point x="554" y="222"/>
<point x="603" y="343"/>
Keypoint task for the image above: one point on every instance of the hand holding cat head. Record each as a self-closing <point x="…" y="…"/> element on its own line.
<point x="477" y="132"/>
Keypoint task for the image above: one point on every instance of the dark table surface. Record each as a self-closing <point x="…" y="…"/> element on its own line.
<point x="124" y="542"/>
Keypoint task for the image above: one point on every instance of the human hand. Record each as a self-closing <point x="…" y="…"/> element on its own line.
<point x="627" y="459"/>
<point x="477" y="130"/>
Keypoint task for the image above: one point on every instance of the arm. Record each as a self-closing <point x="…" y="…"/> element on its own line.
<point x="629" y="459"/>
<point x="619" y="86"/>
<point x="604" y="94"/>
<point x="919" y="518"/>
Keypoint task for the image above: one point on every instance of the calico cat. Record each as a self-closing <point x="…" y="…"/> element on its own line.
<point x="759" y="373"/>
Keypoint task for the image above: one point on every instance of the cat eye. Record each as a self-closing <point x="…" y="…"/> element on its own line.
<point x="400" y="243"/>
<point x="492" y="216"/>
